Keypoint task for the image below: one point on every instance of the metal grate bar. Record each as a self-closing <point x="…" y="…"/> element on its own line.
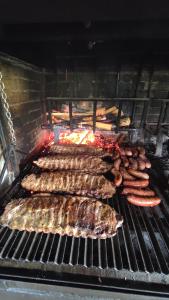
<point x="45" y="248"/>
<point x="144" y="114"/>
<point x="127" y="236"/>
<point x="117" y="248"/>
<point x="133" y="112"/>
<point x="162" y="230"/>
<point x="94" y="115"/>
<point x="81" y="251"/>
<point x="125" y="255"/>
<point x="20" y="246"/>
<point x="7" y="242"/>
<point x="161" y="116"/>
<point x="119" y="116"/>
<point x="157" y="249"/>
<point x="70" y="115"/>
<point x="145" y="263"/>
<point x="149" y="235"/>
<point x="13" y="245"/>
<point x="138" y="253"/>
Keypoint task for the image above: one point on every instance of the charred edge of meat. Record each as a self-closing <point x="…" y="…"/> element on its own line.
<point x="71" y="215"/>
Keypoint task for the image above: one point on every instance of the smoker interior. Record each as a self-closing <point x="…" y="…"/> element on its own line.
<point x="138" y="254"/>
<point x="137" y="258"/>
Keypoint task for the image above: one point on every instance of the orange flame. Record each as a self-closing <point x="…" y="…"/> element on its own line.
<point x="77" y="137"/>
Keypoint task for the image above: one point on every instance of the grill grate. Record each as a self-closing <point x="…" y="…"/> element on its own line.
<point x="139" y="251"/>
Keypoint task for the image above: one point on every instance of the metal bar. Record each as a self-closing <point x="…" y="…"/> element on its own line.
<point x="126" y="238"/>
<point x="103" y="99"/>
<point x="149" y="234"/>
<point x="156" y="245"/>
<point x="166" y="113"/>
<point x="70" y="115"/>
<point x="119" y="116"/>
<point x="49" y="112"/>
<point x="161" y="117"/>
<point x="94" y="114"/>
<point x="144" y="114"/>
<point x="133" y="113"/>
<point x="143" y="252"/>
<point x="117" y="83"/>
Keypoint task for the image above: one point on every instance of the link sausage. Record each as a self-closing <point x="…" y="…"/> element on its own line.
<point x="128" y="152"/>
<point x="117" y="177"/>
<point x="126" y="175"/>
<point x="138" y="192"/>
<point x="142" y="151"/>
<point x="143" y="201"/>
<point x="117" y="163"/>
<point x="133" y="163"/>
<point x="148" y="164"/>
<point x="125" y="161"/>
<point x="136" y="183"/>
<point x="141" y="164"/>
<point x="138" y="174"/>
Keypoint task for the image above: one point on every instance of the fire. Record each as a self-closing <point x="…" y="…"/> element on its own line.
<point x="85" y="136"/>
<point x="77" y="137"/>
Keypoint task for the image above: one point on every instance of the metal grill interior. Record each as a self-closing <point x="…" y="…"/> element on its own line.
<point x="139" y="252"/>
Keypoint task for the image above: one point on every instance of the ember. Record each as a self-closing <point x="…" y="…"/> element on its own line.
<point x="85" y="136"/>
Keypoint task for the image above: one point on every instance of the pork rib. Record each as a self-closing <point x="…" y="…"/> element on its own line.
<point x="70" y="182"/>
<point x="71" y="215"/>
<point x="76" y="149"/>
<point x="87" y="163"/>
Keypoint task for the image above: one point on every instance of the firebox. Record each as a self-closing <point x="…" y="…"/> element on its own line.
<point x="94" y="92"/>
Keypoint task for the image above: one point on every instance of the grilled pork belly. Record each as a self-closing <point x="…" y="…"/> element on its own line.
<point x="70" y="182"/>
<point x="71" y="215"/>
<point x="77" y="149"/>
<point x="84" y="162"/>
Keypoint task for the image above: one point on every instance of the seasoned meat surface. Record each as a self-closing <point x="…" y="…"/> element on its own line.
<point x="76" y="149"/>
<point x="84" y="162"/>
<point x="70" y="182"/>
<point x="71" y="215"/>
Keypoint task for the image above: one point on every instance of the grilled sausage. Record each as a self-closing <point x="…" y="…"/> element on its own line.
<point x="117" y="163"/>
<point x="141" y="164"/>
<point x="136" y="183"/>
<point x="143" y="201"/>
<point x="138" y="174"/>
<point x="115" y="155"/>
<point x="126" y="175"/>
<point x="128" y="152"/>
<point x="133" y="163"/>
<point x="125" y="161"/>
<point x="138" y="192"/>
<point x="118" y="177"/>
<point x="148" y="164"/>
<point x="143" y="157"/>
<point x="142" y="151"/>
<point x="135" y="152"/>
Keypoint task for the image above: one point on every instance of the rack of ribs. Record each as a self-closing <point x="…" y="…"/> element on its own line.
<point x="71" y="182"/>
<point x="83" y="162"/>
<point x="77" y="149"/>
<point x="71" y="215"/>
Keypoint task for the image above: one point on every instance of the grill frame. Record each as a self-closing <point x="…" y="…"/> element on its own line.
<point x="76" y="275"/>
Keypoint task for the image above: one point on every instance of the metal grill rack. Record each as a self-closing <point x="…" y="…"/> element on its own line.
<point x="138" y="253"/>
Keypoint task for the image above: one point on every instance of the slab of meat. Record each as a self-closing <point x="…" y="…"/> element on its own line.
<point x="71" y="215"/>
<point x="77" y="149"/>
<point x="70" y="182"/>
<point x="84" y="162"/>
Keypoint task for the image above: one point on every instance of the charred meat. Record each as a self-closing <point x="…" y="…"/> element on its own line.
<point x="71" y="182"/>
<point x="76" y="149"/>
<point x="71" y="215"/>
<point x="87" y="163"/>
